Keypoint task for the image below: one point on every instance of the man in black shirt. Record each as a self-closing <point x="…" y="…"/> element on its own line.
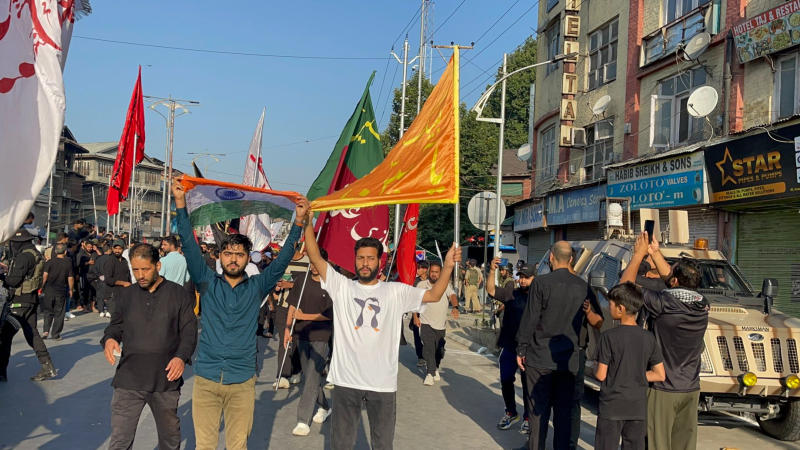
<point x="679" y="316"/>
<point x="58" y="277"/>
<point x="312" y="331"/>
<point x="155" y="322"/>
<point x="24" y="279"/>
<point x="116" y="273"/>
<point x="549" y="340"/>
<point x="628" y="359"/>
<point x="514" y="302"/>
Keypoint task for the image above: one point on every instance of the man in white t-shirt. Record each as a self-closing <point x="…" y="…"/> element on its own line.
<point x="367" y="327"/>
<point x="432" y="318"/>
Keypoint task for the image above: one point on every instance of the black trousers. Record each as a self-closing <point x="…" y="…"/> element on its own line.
<point x="292" y="365"/>
<point x="346" y="417"/>
<point x="417" y="339"/>
<point x="608" y="432"/>
<point x="53" y="308"/>
<point x="550" y="389"/>
<point x="26" y="316"/>
<point x="432" y="347"/>
<point x="126" y="407"/>
<point x="87" y="292"/>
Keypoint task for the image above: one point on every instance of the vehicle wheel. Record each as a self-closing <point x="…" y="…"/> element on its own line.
<point x="786" y="426"/>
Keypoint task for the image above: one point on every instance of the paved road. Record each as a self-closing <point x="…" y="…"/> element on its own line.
<point x="72" y="411"/>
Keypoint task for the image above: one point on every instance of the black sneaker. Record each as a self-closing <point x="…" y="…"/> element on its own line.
<point x="48" y="371"/>
<point x="507" y="420"/>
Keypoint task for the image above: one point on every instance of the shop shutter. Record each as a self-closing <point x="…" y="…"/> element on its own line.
<point x="768" y="247"/>
<point x="590" y="231"/>
<point x="538" y="245"/>
<point x="702" y="224"/>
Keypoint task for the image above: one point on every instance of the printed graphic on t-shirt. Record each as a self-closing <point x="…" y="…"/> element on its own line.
<point x="370" y="305"/>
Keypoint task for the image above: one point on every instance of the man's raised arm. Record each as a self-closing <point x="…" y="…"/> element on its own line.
<point x="199" y="271"/>
<point x="434" y="294"/>
<point x="312" y="248"/>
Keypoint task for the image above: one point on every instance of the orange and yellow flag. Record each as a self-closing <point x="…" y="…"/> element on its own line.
<point x="422" y="167"/>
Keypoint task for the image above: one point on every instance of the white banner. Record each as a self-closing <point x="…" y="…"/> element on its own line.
<point x="33" y="40"/>
<point x="256" y="227"/>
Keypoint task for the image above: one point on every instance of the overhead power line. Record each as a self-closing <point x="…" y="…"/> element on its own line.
<point x="230" y="52"/>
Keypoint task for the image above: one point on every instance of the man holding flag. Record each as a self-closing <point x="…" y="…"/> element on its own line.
<point x="225" y="372"/>
<point x="366" y="315"/>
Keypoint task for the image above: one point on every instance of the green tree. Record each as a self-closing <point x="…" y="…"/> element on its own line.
<point x="391" y="134"/>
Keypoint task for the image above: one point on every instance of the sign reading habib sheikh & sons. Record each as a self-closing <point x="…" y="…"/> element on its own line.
<point x="755" y="168"/>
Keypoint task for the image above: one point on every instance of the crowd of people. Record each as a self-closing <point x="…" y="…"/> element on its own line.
<point x="158" y="297"/>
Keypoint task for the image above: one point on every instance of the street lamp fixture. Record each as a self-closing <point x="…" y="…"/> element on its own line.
<point x="481" y="103"/>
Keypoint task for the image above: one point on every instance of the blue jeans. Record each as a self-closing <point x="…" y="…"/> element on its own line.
<point x="508" y="374"/>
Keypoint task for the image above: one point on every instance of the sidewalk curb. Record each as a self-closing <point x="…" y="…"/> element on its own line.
<point x="470" y="344"/>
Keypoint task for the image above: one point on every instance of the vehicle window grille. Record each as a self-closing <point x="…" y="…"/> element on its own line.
<point x="759" y="356"/>
<point x="777" y="357"/>
<point x="705" y="362"/>
<point x="793" y="366"/>
<point x="741" y="356"/>
<point x="724" y="353"/>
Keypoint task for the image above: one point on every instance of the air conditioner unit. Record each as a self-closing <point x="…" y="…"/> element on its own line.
<point x="603" y="129"/>
<point x="578" y="137"/>
<point x="608" y="76"/>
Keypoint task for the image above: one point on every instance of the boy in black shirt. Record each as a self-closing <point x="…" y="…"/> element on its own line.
<point x="626" y="353"/>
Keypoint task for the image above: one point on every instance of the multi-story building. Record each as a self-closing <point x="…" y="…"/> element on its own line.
<point x="689" y="105"/>
<point x="97" y="164"/>
<point x="65" y="207"/>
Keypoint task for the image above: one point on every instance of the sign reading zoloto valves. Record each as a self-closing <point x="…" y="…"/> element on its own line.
<point x="664" y="183"/>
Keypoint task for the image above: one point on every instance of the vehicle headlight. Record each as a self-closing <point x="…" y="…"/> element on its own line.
<point x="791" y="382"/>
<point x="748" y="379"/>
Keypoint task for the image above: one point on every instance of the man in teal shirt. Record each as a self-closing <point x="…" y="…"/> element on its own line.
<point x="173" y="264"/>
<point x="225" y="369"/>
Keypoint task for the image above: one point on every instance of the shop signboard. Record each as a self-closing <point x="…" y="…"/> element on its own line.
<point x="768" y="32"/>
<point x="529" y="217"/>
<point x="581" y="205"/>
<point x="662" y="183"/>
<point x="755" y="168"/>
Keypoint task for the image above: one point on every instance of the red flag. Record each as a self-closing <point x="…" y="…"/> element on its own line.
<point x="406" y="255"/>
<point x="132" y="135"/>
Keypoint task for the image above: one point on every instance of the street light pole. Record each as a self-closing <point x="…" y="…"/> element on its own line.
<point x="498" y="210"/>
<point x="171" y="104"/>
<point x="405" y="62"/>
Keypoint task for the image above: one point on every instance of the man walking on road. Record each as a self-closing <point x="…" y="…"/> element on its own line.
<point x="116" y="275"/>
<point x="312" y="331"/>
<point x="366" y="314"/>
<point x="24" y="279"/>
<point x="549" y="346"/>
<point x="472" y="282"/>
<point x="432" y="318"/>
<point x="57" y="278"/>
<point x="173" y="264"/>
<point x="225" y="376"/>
<point x="155" y="323"/>
<point x="514" y="302"/>
<point x="414" y="324"/>
<point x="679" y="318"/>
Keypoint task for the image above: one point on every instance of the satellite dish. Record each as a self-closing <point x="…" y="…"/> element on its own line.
<point x="524" y="152"/>
<point x="702" y="101"/>
<point x="696" y="46"/>
<point x="601" y="105"/>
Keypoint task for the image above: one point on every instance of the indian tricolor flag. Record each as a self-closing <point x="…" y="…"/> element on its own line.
<point x="211" y="201"/>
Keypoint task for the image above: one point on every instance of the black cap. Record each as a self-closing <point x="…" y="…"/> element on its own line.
<point x="526" y="271"/>
<point x="22" y="235"/>
<point x="119" y="243"/>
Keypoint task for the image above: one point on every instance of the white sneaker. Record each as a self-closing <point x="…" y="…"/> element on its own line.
<point x="282" y="383"/>
<point x="437" y="377"/>
<point x="295" y="379"/>
<point x="69" y="316"/>
<point x="321" y="415"/>
<point x="428" y="380"/>
<point x="301" y="429"/>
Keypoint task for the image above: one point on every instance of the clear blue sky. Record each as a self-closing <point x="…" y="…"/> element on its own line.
<point x="308" y="101"/>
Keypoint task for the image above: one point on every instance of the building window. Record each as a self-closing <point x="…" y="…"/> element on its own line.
<point x="603" y="55"/>
<point x="549" y="155"/>
<point x="552" y="35"/>
<point x="670" y="122"/>
<point x="787" y="87"/>
<point x="511" y="189"/>
<point x="673" y="9"/>
<point x="551" y="4"/>
<point x="667" y="39"/>
<point x="599" y="149"/>
<point x="104" y="169"/>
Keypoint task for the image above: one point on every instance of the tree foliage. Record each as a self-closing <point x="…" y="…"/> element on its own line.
<point x="478" y="144"/>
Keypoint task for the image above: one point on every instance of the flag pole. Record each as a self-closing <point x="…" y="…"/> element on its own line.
<point x="394" y="254"/>
<point x="294" y="320"/>
<point x="49" y="208"/>
<point x="94" y="208"/>
<point x="132" y="193"/>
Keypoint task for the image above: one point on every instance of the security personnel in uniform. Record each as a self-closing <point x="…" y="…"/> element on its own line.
<point x="24" y="279"/>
